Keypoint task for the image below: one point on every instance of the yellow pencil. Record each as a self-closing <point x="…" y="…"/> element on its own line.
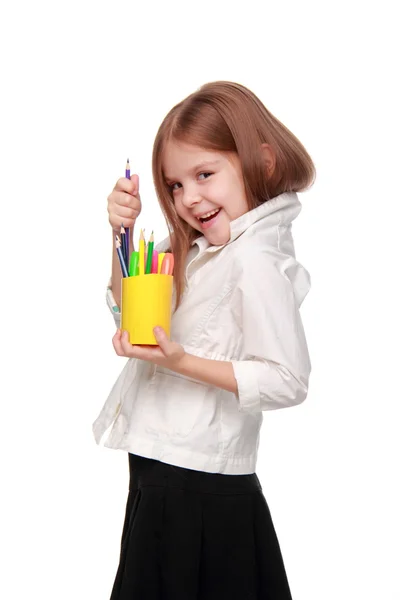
<point x="160" y="259"/>
<point x="141" y="253"/>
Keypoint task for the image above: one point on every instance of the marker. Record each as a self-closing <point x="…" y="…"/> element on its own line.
<point x="167" y="266"/>
<point x="160" y="260"/>
<point x="154" y="263"/>
<point x="134" y="264"/>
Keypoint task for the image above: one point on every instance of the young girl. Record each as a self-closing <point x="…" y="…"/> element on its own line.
<point x="189" y="411"/>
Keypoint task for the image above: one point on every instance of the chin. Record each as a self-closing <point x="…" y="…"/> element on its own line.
<point x="218" y="239"/>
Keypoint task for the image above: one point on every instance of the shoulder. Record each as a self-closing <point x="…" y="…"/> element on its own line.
<point x="265" y="268"/>
<point x="164" y="245"/>
<point x="250" y="257"/>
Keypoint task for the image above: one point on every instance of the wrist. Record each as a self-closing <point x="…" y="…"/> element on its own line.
<point x="178" y="363"/>
<point x="182" y="364"/>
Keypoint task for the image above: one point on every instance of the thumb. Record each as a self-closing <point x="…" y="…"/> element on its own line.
<point x="162" y="339"/>
<point x="135" y="181"/>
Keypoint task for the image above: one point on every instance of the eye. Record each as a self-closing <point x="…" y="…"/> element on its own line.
<point x="203" y="176"/>
<point x="175" y="186"/>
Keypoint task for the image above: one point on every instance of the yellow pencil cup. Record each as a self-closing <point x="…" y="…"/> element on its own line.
<point x="145" y="303"/>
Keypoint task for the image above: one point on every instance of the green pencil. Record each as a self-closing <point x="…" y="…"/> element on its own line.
<point x="149" y="254"/>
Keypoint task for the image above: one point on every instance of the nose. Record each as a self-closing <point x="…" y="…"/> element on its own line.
<point x="191" y="196"/>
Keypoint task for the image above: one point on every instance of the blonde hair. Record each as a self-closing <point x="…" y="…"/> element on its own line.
<point x="227" y="117"/>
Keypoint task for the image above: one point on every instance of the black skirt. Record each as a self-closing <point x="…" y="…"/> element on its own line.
<point x="190" y="535"/>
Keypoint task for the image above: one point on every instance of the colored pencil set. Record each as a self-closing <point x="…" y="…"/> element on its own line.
<point x="145" y="262"/>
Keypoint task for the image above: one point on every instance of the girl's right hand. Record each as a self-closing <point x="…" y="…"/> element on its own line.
<point x="123" y="204"/>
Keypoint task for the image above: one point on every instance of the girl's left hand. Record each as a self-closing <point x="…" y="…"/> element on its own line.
<point x="167" y="354"/>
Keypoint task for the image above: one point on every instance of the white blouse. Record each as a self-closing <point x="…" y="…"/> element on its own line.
<point x="241" y="304"/>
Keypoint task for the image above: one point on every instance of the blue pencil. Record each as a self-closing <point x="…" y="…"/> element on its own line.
<point x="121" y="257"/>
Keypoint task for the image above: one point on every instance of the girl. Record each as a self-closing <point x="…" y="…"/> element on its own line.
<point x="189" y="411"/>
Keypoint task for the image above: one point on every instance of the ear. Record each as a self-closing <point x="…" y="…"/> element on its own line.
<point x="269" y="158"/>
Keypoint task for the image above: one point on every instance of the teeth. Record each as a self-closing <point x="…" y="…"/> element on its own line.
<point x="212" y="212"/>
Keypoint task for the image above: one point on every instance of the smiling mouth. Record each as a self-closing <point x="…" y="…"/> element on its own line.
<point x="209" y="216"/>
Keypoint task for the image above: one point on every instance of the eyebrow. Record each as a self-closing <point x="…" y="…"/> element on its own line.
<point x="199" y="167"/>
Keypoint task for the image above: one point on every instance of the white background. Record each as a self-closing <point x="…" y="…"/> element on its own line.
<point x="86" y="84"/>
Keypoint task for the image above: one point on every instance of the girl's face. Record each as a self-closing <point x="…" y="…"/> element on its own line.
<point x="207" y="188"/>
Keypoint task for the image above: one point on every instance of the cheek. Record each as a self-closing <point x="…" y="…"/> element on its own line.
<point x="229" y="196"/>
<point x="239" y="206"/>
<point x="178" y="205"/>
<point x="183" y="212"/>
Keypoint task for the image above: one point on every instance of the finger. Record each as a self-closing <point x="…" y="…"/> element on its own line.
<point x="162" y="340"/>
<point x="123" y="208"/>
<point x="149" y="353"/>
<point x="116" y="221"/>
<point x="122" y="212"/>
<point x="123" y="199"/>
<point x="135" y="181"/>
<point x="125" y="185"/>
<point x="126" y="346"/>
<point x="116" y="340"/>
<point x="135" y="351"/>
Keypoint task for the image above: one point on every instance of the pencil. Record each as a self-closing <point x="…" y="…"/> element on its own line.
<point x="150" y="254"/>
<point x="141" y="253"/>
<point x="123" y="244"/>
<point x="128" y="176"/>
<point x="120" y="256"/>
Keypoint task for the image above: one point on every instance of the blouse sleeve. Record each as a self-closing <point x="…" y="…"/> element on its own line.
<point x="112" y="305"/>
<point x="276" y="367"/>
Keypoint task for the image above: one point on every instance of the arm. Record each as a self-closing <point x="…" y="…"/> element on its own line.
<point x="172" y="356"/>
<point x="276" y="367"/>
<point x="275" y="371"/>
<point x="214" y="372"/>
<point x="124" y="206"/>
